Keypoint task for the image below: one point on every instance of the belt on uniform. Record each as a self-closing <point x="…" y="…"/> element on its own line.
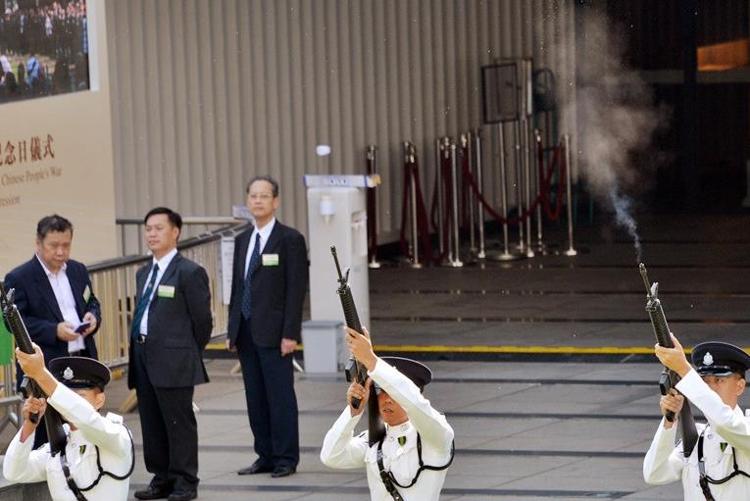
<point x="77" y="353"/>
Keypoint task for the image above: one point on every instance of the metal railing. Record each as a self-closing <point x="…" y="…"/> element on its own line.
<point x="130" y="234"/>
<point x="113" y="282"/>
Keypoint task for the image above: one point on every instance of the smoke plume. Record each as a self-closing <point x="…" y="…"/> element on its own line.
<point x="618" y="118"/>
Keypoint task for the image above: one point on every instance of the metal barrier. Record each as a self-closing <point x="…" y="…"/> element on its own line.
<point x="113" y="282"/>
<point x="131" y="231"/>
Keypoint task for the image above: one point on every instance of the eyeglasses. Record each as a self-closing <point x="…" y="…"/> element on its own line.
<point x="260" y="196"/>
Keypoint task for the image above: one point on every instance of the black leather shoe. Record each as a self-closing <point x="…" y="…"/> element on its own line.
<point x="283" y="471"/>
<point x="257" y="467"/>
<point x="182" y="495"/>
<point x="152" y="492"/>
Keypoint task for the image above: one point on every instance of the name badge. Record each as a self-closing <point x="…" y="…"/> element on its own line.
<point x="86" y="294"/>
<point x="165" y="291"/>
<point x="270" y="259"/>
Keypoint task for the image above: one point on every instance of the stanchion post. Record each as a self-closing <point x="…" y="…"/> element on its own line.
<point x="466" y="148"/>
<point x="372" y="205"/>
<point x="439" y="151"/>
<point x="505" y="255"/>
<point x="569" y="196"/>
<point x="539" y="226"/>
<point x="477" y="150"/>
<point x="455" y="244"/>
<point x="410" y="163"/>
<point x="518" y="160"/>
<point x="527" y="186"/>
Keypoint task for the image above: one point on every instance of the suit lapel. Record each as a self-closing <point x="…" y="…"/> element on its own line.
<point x="168" y="274"/>
<point x="244" y="243"/>
<point x="42" y="283"/>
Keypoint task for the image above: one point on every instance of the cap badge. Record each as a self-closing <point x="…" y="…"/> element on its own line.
<point x="708" y="359"/>
<point x="68" y="374"/>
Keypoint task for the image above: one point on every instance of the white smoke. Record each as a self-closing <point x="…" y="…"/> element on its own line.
<point x="615" y="108"/>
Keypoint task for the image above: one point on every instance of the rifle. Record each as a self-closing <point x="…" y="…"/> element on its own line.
<point x="29" y="388"/>
<point x="668" y="378"/>
<point x="354" y="370"/>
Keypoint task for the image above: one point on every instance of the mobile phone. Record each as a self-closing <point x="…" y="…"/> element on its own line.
<point x="82" y="327"/>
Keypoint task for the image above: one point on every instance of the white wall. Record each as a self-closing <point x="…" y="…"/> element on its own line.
<point x="78" y="182"/>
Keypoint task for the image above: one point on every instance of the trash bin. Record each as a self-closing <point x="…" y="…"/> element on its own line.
<point x="324" y="348"/>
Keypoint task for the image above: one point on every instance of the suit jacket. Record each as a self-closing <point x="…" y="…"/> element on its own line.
<point x="278" y="291"/>
<point x="39" y="309"/>
<point x="179" y="327"/>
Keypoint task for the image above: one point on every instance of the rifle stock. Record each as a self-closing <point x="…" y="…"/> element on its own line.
<point x="668" y="378"/>
<point x="52" y="420"/>
<point x="354" y="370"/>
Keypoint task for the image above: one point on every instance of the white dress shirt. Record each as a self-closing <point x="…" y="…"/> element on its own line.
<point x="22" y="464"/>
<point x="264" y="233"/>
<point x="728" y="429"/>
<point x="341" y="449"/>
<point x="163" y="263"/>
<point x="65" y="300"/>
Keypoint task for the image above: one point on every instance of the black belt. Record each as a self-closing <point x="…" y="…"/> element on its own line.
<point x="77" y="353"/>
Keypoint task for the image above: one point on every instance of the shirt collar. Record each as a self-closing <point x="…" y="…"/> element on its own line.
<point x="265" y="232"/>
<point x="165" y="259"/>
<point x="399" y="430"/>
<point x="47" y="270"/>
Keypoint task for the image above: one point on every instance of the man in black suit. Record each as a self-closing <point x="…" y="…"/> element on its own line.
<point x="269" y="283"/>
<point x="171" y="326"/>
<point x="55" y="299"/>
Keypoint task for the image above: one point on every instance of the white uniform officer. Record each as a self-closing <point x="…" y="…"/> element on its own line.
<point x="410" y="462"/>
<point x="717" y="469"/>
<point x="99" y="455"/>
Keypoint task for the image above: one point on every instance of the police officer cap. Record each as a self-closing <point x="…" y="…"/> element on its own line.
<point x="80" y="372"/>
<point x="715" y="358"/>
<point x="419" y="374"/>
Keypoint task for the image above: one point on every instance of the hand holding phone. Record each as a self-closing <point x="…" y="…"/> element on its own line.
<point x="82" y="328"/>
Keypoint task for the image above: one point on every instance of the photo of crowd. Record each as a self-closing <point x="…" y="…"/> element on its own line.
<point x="43" y="48"/>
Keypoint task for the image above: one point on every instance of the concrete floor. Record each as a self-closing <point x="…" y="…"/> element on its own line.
<point x="533" y="425"/>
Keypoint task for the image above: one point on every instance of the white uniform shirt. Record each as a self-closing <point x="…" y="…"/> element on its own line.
<point x="727" y="428"/>
<point x="65" y="300"/>
<point x="22" y="464"/>
<point x="341" y="449"/>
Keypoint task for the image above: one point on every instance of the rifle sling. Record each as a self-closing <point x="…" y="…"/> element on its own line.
<point x="705" y="480"/>
<point x="389" y="480"/>
<point x="78" y="491"/>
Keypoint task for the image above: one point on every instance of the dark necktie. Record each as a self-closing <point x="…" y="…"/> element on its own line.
<point x="247" y="289"/>
<point x="143" y="303"/>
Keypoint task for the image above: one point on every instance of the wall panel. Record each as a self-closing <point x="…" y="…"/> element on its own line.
<point x="207" y="93"/>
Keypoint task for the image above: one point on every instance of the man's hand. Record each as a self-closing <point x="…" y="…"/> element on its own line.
<point x="89" y="317"/>
<point x="671" y="402"/>
<point x="65" y="332"/>
<point x="230" y="346"/>
<point x="673" y="358"/>
<point x="32" y="364"/>
<point x="361" y="347"/>
<point x="356" y="390"/>
<point x="287" y="346"/>
<point x="31" y="406"/>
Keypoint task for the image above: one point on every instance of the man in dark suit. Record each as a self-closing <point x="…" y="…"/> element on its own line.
<point x="55" y="299"/>
<point x="269" y="283"/>
<point x="171" y="326"/>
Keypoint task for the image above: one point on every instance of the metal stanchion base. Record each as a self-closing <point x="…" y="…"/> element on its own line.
<point x="374" y="265"/>
<point x="571" y="252"/>
<point x="504" y="256"/>
<point x="455" y="264"/>
<point x="481" y="255"/>
<point x="529" y="252"/>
